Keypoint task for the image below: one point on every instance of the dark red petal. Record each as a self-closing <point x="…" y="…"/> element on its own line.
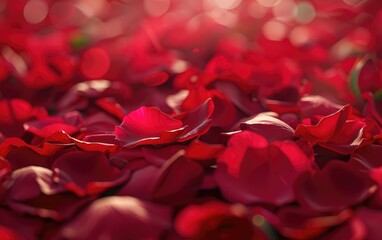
<point x="141" y="183"/>
<point x="179" y="181"/>
<point x="354" y="229"/>
<point x="25" y="227"/>
<point x="367" y="157"/>
<point x="197" y="122"/>
<point x="100" y="174"/>
<point x="337" y="186"/>
<point x="158" y="156"/>
<point x="37" y="191"/>
<point x="118" y="218"/>
<point x="301" y="223"/>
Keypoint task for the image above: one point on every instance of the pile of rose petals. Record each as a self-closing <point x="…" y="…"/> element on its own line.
<point x="205" y="120"/>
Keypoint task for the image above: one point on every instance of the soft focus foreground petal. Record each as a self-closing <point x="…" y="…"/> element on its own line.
<point x="301" y="223"/>
<point x="217" y="220"/>
<point x="118" y="218"/>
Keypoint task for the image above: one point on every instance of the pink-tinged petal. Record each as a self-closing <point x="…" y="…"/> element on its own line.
<point x="301" y="223"/>
<point x="197" y="122"/>
<point x="270" y="127"/>
<point x="337" y="186"/>
<point x="326" y="128"/>
<point x="89" y="172"/>
<point x="148" y="125"/>
<point x="119" y="218"/>
<point x="251" y="170"/>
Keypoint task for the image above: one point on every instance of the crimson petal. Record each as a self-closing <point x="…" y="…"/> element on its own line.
<point x="148" y="125"/>
<point x="251" y="170"/>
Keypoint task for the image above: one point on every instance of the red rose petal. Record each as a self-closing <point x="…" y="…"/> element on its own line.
<point x="118" y="218"/>
<point x="100" y="174"/>
<point x="197" y="121"/>
<point x="269" y="127"/>
<point x="337" y="186"/>
<point x="251" y="170"/>
<point x="148" y="126"/>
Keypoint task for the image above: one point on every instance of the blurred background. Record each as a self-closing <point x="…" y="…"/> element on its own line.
<point x="46" y="43"/>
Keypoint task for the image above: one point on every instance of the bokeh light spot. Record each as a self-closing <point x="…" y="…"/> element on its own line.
<point x="95" y="63"/>
<point x="274" y="30"/>
<point x="35" y="11"/>
<point x="284" y="10"/>
<point x="268" y="3"/>
<point x="304" y="12"/>
<point x="257" y="11"/>
<point x="227" y="4"/>
<point x="258" y="220"/>
<point x="299" y="35"/>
